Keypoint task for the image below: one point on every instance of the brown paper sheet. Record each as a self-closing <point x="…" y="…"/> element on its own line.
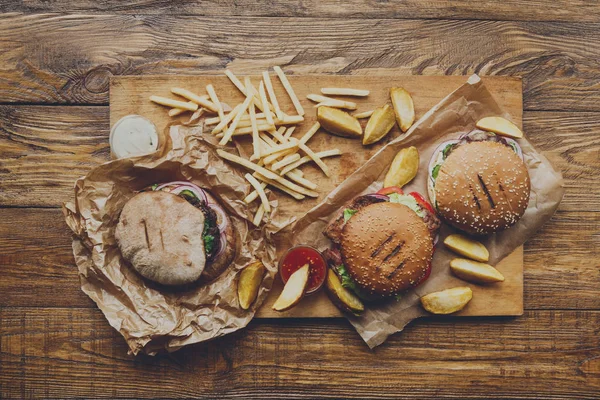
<point x="149" y="318"/>
<point x="454" y="115"/>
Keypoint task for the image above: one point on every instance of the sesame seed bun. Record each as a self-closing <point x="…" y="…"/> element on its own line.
<point x="482" y="187"/>
<point x="386" y="248"/>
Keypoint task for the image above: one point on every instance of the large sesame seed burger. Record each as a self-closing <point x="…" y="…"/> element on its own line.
<point x="383" y="243"/>
<point x="175" y="233"/>
<point x="479" y="183"/>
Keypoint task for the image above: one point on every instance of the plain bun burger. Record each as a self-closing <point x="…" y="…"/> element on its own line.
<point x="383" y="243"/>
<point x="175" y="234"/>
<point x="479" y="183"/>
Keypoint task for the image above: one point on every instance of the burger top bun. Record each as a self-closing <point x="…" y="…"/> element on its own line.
<point x="160" y="234"/>
<point x="482" y="187"/>
<point x="386" y="248"/>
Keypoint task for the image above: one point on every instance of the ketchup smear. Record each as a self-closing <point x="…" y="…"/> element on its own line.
<point x="298" y="256"/>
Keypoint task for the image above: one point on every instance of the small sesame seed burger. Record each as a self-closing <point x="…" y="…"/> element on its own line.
<point x="479" y="183"/>
<point x="383" y="243"/>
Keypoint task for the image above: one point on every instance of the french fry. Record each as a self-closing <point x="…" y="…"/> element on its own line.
<point x="330" y="102"/>
<point x="310" y="133"/>
<point x="240" y="86"/>
<point x="289" y="120"/>
<point x="293" y="143"/>
<point x="290" y="91"/>
<point x="295" y="194"/>
<point x="269" y="86"/>
<point x="364" y="114"/>
<point x="229" y="132"/>
<point x="267" y="139"/>
<point x="278" y="134"/>
<point x="315" y="158"/>
<point x="344" y="92"/>
<point x="293" y="175"/>
<point x="164" y="101"/>
<point x="173" y="112"/>
<point x="285" y="161"/>
<point x="200" y="100"/>
<point x="254" y="126"/>
<point x="260" y="212"/>
<point x="261" y="193"/>
<point x="215" y="100"/>
<point x="247" y="122"/>
<point x="245" y="118"/>
<point x="228" y="118"/>
<point x="305" y="159"/>
<point x="265" y="102"/>
<point x="265" y="173"/>
<point x="275" y="156"/>
<point x="289" y="132"/>
<point x="253" y="194"/>
<point x="247" y="130"/>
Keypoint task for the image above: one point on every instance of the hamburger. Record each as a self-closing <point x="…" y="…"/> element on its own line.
<point x="383" y="243"/>
<point x="175" y="234"/>
<point x="479" y="183"/>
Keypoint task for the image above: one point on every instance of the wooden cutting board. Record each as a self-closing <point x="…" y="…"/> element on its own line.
<point x="129" y="95"/>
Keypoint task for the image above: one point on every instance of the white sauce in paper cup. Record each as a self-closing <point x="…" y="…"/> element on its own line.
<point x="133" y="135"/>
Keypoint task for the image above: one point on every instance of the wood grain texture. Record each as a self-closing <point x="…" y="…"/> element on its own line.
<point x="537" y="10"/>
<point x="45" y="149"/>
<point x="69" y="59"/>
<point x="561" y="262"/>
<point x="60" y="353"/>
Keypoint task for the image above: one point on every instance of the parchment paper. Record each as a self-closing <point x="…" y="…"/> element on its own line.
<point x="454" y="115"/>
<point x="149" y="317"/>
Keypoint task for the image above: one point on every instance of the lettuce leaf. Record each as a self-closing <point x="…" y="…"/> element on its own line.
<point x="408" y="201"/>
<point x="348" y="213"/>
<point x="435" y="171"/>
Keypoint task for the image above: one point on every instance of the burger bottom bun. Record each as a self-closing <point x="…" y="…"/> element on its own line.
<point x="160" y="235"/>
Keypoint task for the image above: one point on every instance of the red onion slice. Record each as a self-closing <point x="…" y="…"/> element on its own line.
<point x="381" y="197"/>
<point x="179" y="186"/>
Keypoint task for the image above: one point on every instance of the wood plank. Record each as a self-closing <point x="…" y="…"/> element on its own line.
<point x="40" y="165"/>
<point x="66" y="353"/>
<point x="52" y="59"/>
<point x="561" y="262"/>
<point x="537" y="10"/>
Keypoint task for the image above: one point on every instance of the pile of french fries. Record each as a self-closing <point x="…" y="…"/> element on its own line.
<point x="276" y="153"/>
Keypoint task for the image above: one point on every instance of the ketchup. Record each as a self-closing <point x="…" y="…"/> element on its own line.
<point x="298" y="256"/>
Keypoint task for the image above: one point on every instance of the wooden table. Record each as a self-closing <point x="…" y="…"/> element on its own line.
<point x="55" y="63"/>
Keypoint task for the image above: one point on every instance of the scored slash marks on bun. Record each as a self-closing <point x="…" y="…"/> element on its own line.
<point x="160" y="234"/>
<point x="386" y="247"/>
<point x="482" y="187"/>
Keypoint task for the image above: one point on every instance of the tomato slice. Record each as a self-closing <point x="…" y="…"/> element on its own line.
<point x="424" y="278"/>
<point x="390" y="190"/>
<point x="421" y="200"/>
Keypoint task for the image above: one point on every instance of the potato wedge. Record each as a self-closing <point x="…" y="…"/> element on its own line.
<point x="380" y="124"/>
<point x="293" y="290"/>
<point x="339" y="122"/>
<point x="474" y="271"/>
<point x="342" y="297"/>
<point x="447" y="301"/>
<point x="403" y="107"/>
<point x="249" y="283"/>
<point x="501" y="126"/>
<point x="403" y="169"/>
<point x="467" y="247"/>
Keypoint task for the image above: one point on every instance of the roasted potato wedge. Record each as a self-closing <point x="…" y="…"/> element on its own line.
<point x="474" y="271"/>
<point x="380" y="124"/>
<point x="293" y="290"/>
<point x="249" y="283"/>
<point x="447" y="301"/>
<point x="339" y="122"/>
<point x="342" y="297"/>
<point x="467" y="247"/>
<point x="403" y="169"/>
<point x="501" y="126"/>
<point x="403" y="107"/>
